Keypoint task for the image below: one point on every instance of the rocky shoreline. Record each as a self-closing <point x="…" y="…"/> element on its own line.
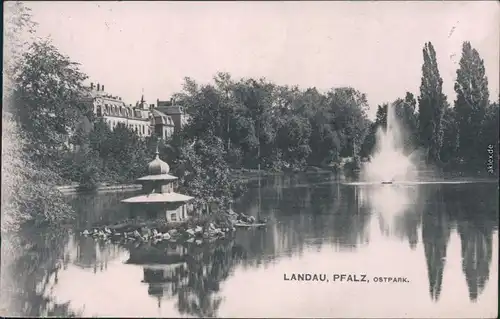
<point x="193" y="230"/>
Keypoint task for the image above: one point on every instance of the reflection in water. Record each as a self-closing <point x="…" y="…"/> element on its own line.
<point x="400" y="205"/>
<point x="397" y="208"/>
<point x="102" y="208"/>
<point x="192" y="274"/>
<point x="476" y="257"/>
<point x="435" y="235"/>
<point x="30" y="268"/>
<point x="439" y="208"/>
<point x="313" y="216"/>
<point x="477" y="218"/>
<point x="87" y="253"/>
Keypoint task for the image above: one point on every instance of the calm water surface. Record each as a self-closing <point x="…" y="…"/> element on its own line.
<point x="442" y="237"/>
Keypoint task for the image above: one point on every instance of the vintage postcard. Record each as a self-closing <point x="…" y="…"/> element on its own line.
<point x="250" y="159"/>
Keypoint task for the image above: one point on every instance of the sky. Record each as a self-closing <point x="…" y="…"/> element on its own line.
<point x="375" y="47"/>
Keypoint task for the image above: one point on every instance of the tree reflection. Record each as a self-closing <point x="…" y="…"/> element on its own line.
<point x="436" y="231"/>
<point x="36" y="257"/>
<point x="472" y="207"/>
<point x="349" y="221"/>
<point x="92" y="208"/>
<point x="477" y="218"/>
<point x="312" y="208"/>
<point x="476" y="257"/>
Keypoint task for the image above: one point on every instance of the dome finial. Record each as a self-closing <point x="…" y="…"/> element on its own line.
<point x="157" y="153"/>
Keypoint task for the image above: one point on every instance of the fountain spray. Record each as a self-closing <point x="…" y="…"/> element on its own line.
<point x="388" y="163"/>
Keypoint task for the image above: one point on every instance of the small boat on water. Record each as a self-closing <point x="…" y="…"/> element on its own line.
<point x="390" y="182"/>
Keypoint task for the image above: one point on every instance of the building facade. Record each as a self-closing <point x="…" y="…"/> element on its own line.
<point x="162" y="119"/>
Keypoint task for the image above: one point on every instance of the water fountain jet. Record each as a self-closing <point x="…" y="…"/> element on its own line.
<point x="389" y="163"/>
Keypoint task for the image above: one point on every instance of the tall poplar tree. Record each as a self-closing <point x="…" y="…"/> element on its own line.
<point x="431" y="103"/>
<point x="472" y="101"/>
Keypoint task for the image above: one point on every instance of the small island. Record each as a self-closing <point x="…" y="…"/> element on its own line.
<point x="162" y="214"/>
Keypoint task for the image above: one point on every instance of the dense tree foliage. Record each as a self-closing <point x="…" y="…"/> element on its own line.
<point x="19" y="31"/>
<point x="431" y="105"/>
<point x="28" y="192"/>
<point x="47" y="100"/>
<point x="450" y="137"/>
<point x="28" y="186"/>
<point x="408" y="121"/>
<point x="277" y="127"/>
<point x="108" y="156"/>
<point x="203" y="171"/>
<point x="471" y="103"/>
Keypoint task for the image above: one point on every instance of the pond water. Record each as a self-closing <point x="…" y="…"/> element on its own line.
<point x="441" y="237"/>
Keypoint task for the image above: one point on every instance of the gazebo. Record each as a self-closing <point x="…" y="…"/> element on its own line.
<point x="159" y="197"/>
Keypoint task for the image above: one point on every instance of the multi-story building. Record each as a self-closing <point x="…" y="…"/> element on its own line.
<point x="146" y="119"/>
<point x="176" y="112"/>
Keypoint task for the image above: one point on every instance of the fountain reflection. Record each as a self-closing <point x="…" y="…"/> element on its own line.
<point x="396" y="207"/>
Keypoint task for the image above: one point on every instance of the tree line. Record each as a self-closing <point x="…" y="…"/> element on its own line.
<point x="283" y="127"/>
<point x="244" y="123"/>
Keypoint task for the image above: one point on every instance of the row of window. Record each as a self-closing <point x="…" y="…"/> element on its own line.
<point x="118" y="111"/>
<point x="138" y="128"/>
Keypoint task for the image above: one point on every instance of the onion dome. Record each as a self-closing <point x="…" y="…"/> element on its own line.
<point x="157" y="166"/>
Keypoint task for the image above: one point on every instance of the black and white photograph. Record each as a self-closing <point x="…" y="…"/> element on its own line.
<point x="250" y="159"/>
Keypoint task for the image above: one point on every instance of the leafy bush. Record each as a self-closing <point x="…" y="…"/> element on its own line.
<point x="204" y="173"/>
<point x="28" y="191"/>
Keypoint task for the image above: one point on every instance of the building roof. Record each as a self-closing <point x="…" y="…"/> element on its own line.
<point x="119" y="109"/>
<point x="171" y="197"/>
<point x="171" y="110"/>
<point x="103" y="95"/>
<point x="162" y="118"/>
<point x="114" y="106"/>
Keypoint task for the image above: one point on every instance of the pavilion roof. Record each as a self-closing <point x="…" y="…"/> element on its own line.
<point x="158" y="177"/>
<point x="170" y="197"/>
